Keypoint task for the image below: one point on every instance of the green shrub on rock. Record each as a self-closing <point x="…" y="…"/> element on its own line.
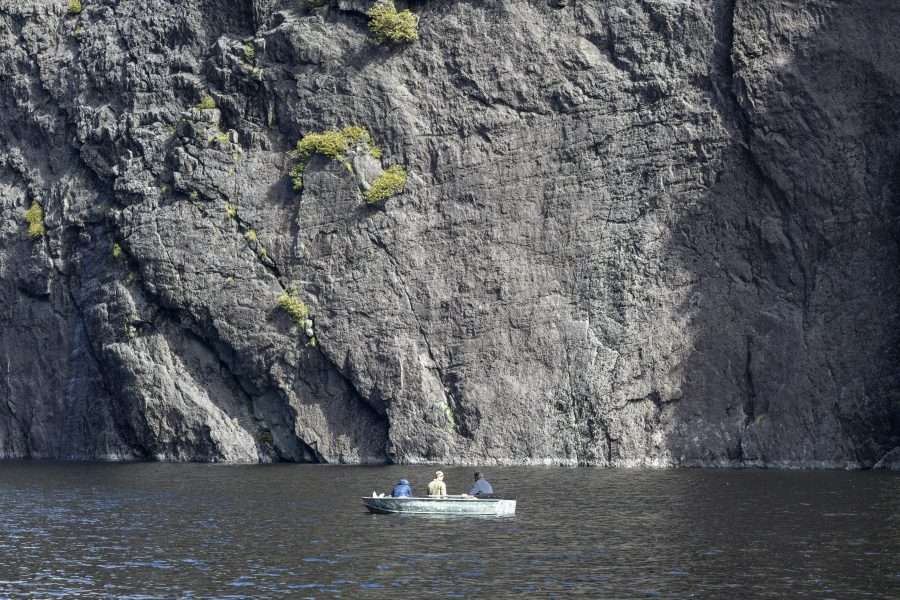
<point x="332" y="144"/>
<point x="297" y="176"/>
<point x="390" y="25"/>
<point x="327" y="143"/>
<point x="295" y="307"/>
<point x="389" y="183"/>
<point x="206" y="103"/>
<point x="249" y="52"/>
<point x="336" y="144"/>
<point x="74" y="7"/>
<point x="355" y="134"/>
<point x="220" y="138"/>
<point x="34" y="216"/>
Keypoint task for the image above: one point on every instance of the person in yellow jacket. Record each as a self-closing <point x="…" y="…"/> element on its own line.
<point x="437" y="487"/>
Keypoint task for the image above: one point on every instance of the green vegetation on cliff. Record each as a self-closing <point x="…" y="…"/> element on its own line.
<point x="34" y="216"/>
<point x="206" y="103"/>
<point x="389" y="183"/>
<point x="296" y="175"/>
<point x="389" y="24"/>
<point x="295" y="307"/>
<point x="336" y="144"/>
<point x="74" y="7"/>
<point x="332" y="144"/>
<point x="249" y="52"/>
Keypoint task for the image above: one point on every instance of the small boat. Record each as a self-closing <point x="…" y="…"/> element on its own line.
<point x="442" y="505"/>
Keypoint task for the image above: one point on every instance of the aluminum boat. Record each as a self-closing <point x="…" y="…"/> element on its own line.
<point x="440" y="505"/>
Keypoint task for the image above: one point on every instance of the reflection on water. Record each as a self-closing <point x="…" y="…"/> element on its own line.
<point x="294" y="531"/>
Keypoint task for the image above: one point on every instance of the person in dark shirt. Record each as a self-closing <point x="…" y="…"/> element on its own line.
<point x="481" y="488"/>
<point x="402" y="489"/>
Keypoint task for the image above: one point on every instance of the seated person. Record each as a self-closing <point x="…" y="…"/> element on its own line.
<point x="437" y="487"/>
<point x="401" y="490"/>
<point x="481" y="488"/>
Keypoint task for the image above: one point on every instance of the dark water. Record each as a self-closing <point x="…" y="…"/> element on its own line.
<point x="286" y="531"/>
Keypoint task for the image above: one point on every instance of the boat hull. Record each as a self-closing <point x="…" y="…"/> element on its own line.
<point x="447" y="505"/>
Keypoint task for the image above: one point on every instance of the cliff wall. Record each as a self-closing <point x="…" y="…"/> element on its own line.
<point x="634" y="232"/>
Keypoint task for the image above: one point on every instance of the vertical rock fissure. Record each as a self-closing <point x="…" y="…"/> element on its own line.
<point x="737" y="120"/>
<point x="750" y="398"/>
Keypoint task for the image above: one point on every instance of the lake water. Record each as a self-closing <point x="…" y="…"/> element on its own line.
<point x="296" y="531"/>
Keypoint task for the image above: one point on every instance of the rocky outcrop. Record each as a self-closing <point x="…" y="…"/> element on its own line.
<point x="633" y="233"/>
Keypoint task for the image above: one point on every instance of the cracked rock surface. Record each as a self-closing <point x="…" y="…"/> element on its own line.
<point x="634" y="232"/>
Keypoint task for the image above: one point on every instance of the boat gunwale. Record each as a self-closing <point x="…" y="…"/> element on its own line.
<point x="468" y="499"/>
<point x="449" y="514"/>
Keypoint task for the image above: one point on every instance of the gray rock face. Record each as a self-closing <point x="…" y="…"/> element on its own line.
<point x="890" y="461"/>
<point x="633" y="233"/>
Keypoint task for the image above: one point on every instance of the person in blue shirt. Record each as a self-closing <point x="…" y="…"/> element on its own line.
<point x="481" y="488"/>
<point x="401" y="490"/>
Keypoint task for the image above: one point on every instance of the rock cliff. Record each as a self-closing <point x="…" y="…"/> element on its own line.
<point x="634" y="232"/>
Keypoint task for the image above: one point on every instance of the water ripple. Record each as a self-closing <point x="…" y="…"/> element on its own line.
<point x="202" y="531"/>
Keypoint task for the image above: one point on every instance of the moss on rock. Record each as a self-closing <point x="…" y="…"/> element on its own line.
<point x="390" y="183"/>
